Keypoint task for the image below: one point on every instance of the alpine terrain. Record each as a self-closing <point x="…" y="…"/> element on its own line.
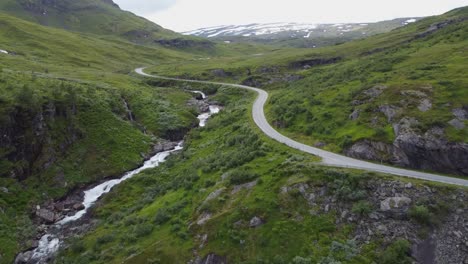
<point x="124" y="142"/>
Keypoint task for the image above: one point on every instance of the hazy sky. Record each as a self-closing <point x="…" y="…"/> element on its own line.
<point x="183" y="15"/>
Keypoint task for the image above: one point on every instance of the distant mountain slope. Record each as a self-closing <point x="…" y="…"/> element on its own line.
<point x="296" y="34"/>
<point x="101" y="17"/>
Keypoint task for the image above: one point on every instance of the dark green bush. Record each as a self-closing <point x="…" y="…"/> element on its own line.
<point x="241" y="176"/>
<point x="362" y="208"/>
<point x="420" y="214"/>
<point x="162" y="216"/>
<point x="398" y="252"/>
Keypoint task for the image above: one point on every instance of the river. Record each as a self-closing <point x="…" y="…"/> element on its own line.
<point x="50" y="243"/>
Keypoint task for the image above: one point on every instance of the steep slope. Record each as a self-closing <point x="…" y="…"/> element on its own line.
<point x="299" y="35"/>
<point x="70" y="115"/>
<point x="99" y="17"/>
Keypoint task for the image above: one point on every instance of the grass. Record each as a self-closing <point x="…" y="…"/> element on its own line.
<point x="317" y="108"/>
<point x="86" y="78"/>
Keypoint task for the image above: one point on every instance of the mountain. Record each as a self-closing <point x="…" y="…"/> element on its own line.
<point x="297" y="34"/>
<point x="73" y="114"/>
<point x="98" y="17"/>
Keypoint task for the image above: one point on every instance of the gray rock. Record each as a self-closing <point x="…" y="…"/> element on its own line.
<point x="78" y="206"/>
<point x="409" y="185"/>
<point x="355" y="114"/>
<point x="389" y="111"/>
<point x="456" y="123"/>
<point x="414" y="93"/>
<point x="460" y="113"/>
<point x="46" y="215"/>
<point x="4" y="189"/>
<point x="246" y="186"/>
<point x="382" y="229"/>
<point x="375" y="91"/>
<point x="255" y="222"/>
<point x="205" y="217"/>
<point x="425" y="105"/>
<point x="23" y="257"/>
<point x="395" y="203"/>
<point x="214" y="195"/>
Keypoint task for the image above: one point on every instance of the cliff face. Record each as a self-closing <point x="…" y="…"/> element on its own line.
<point x="33" y="139"/>
<point x="429" y="151"/>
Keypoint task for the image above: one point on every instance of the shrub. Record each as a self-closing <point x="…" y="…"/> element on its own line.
<point x="143" y="230"/>
<point x="77" y="245"/>
<point x="362" y="208"/>
<point x="162" y="216"/>
<point x="396" y="253"/>
<point x="240" y="176"/>
<point x="107" y="238"/>
<point x="420" y="214"/>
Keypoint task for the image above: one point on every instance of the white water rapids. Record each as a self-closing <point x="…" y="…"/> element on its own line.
<point x="49" y="244"/>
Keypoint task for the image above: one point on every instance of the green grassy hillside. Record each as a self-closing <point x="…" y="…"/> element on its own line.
<point x="376" y="93"/>
<point x="90" y="16"/>
<point x="65" y="98"/>
<point x="234" y="195"/>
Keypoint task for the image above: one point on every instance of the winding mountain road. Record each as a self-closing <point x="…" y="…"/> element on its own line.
<point x="328" y="158"/>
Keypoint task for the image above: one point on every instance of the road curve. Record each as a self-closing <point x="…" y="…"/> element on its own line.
<point x="328" y="158"/>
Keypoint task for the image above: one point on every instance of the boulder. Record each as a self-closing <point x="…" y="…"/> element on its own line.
<point x="78" y="206"/>
<point x="4" y="189"/>
<point x="23" y="257"/>
<point x="375" y="91"/>
<point x="460" y="113"/>
<point x="425" y="105"/>
<point x="389" y="111"/>
<point x="46" y="216"/>
<point x="255" y="222"/>
<point x="456" y="123"/>
<point x="395" y="203"/>
<point x="203" y="218"/>
<point x="355" y="114"/>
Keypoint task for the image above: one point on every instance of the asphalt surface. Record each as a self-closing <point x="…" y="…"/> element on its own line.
<point x="328" y="158"/>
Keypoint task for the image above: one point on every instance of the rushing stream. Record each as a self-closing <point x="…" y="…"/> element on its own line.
<point x="49" y="244"/>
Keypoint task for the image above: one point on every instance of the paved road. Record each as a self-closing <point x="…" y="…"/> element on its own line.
<point x="328" y="158"/>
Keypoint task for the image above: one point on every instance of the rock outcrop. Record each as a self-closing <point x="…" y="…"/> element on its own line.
<point x="430" y="151"/>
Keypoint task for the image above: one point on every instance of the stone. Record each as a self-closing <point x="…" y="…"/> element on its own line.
<point x="46" y="215"/>
<point x="214" y="195"/>
<point x="78" y="206"/>
<point x="460" y="113"/>
<point x="375" y="91"/>
<point x="414" y="93"/>
<point x="246" y="186"/>
<point x="425" y="105"/>
<point x="409" y="185"/>
<point x="255" y="222"/>
<point x="394" y="203"/>
<point x="355" y="114"/>
<point x="344" y="214"/>
<point x="4" y="189"/>
<point x="203" y="218"/>
<point x="327" y="208"/>
<point x="382" y="229"/>
<point x="456" y="123"/>
<point x="389" y="111"/>
<point x="23" y="257"/>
